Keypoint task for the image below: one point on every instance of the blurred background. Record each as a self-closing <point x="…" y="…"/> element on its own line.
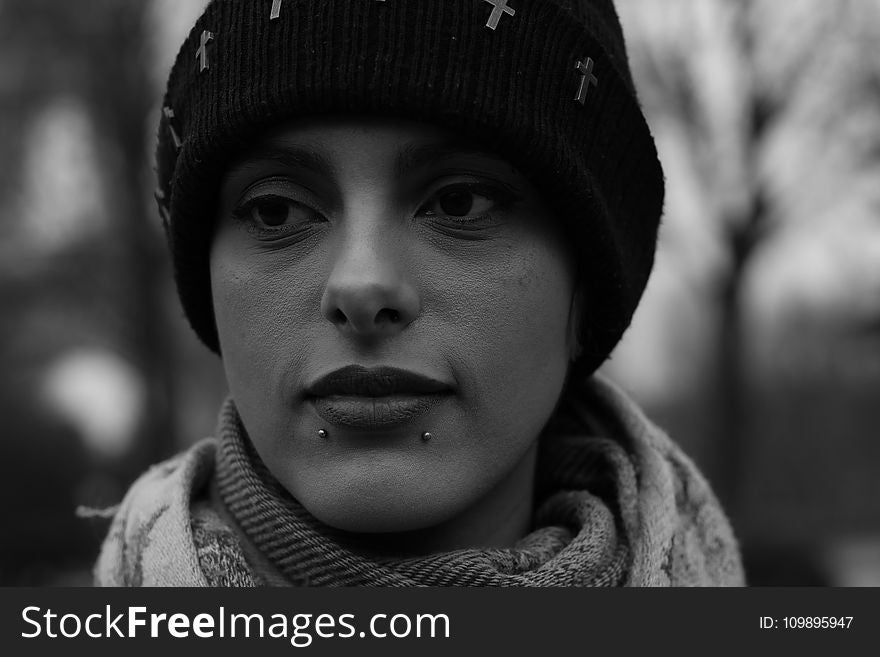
<point x="757" y="345"/>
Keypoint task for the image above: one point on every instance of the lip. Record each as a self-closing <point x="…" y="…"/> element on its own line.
<point x="371" y="398"/>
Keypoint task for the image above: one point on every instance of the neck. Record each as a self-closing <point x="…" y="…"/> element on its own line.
<point x="497" y="520"/>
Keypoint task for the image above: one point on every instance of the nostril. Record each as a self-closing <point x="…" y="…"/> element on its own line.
<point x="387" y="315"/>
<point x="339" y="317"/>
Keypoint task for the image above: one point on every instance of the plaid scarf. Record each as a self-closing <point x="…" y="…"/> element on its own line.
<point x="617" y="503"/>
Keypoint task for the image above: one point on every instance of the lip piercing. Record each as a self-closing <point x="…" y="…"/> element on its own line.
<point x="324" y="435"/>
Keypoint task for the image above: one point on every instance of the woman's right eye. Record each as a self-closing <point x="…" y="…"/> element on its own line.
<point x="275" y="214"/>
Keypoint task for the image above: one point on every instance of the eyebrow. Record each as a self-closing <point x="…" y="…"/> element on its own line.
<point x="412" y="156"/>
<point x="289" y="157"/>
<point x="416" y="156"/>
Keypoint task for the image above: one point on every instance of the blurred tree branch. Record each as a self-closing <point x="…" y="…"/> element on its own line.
<point x="98" y="51"/>
<point x="777" y="103"/>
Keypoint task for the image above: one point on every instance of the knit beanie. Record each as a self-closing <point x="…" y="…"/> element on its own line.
<point x="543" y="83"/>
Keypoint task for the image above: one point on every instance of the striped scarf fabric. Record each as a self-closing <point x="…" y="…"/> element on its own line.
<point x="617" y="504"/>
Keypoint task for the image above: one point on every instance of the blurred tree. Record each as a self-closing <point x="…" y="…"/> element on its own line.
<point x="106" y="288"/>
<point x="97" y="51"/>
<point x="769" y="113"/>
<point x="121" y="100"/>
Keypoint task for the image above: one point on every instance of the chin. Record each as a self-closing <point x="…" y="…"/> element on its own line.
<point x="379" y="508"/>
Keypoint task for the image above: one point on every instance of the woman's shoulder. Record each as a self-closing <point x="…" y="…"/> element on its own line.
<point x="150" y="539"/>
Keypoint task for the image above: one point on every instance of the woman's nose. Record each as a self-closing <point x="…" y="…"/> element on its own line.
<point x="369" y="293"/>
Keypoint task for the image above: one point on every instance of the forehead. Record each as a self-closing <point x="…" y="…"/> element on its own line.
<point x="329" y="145"/>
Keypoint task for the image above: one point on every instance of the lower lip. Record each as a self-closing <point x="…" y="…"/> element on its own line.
<point x="374" y="412"/>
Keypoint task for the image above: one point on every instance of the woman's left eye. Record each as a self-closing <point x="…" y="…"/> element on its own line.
<point x="461" y="201"/>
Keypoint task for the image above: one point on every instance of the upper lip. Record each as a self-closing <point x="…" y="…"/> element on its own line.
<point x="359" y="381"/>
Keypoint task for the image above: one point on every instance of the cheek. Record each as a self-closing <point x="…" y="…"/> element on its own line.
<point x="511" y="327"/>
<point x="260" y="316"/>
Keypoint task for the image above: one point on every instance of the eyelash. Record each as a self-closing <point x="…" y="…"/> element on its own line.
<point x="247" y="208"/>
<point x="281" y="191"/>
<point x="501" y="198"/>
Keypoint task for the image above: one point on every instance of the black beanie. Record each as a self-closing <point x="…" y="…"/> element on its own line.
<point x="544" y="83"/>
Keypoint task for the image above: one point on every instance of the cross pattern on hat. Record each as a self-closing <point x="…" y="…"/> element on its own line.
<point x="159" y="195"/>
<point x="499" y="8"/>
<point x="587" y="78"/>
<point x="169" y="117"/>
<point x="202" y="52"/>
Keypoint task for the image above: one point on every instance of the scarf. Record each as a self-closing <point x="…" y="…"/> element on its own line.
<point x="616" y="503"/>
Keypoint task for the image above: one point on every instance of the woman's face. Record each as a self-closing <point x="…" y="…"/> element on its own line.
<point x="346" y="247"/>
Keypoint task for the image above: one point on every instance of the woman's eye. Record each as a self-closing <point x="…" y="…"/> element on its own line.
<point x="272" y="213"/>
<point x="275" y="212"/>
<point x="460" y="201"/>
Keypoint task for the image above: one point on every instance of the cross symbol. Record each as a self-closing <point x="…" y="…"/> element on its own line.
<point x="202" y="52"/>
<point x="163" y="207"/>
<point x="169" y="116"/>
<point x="499" y="8"/>
<point x="587" y="78"/>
